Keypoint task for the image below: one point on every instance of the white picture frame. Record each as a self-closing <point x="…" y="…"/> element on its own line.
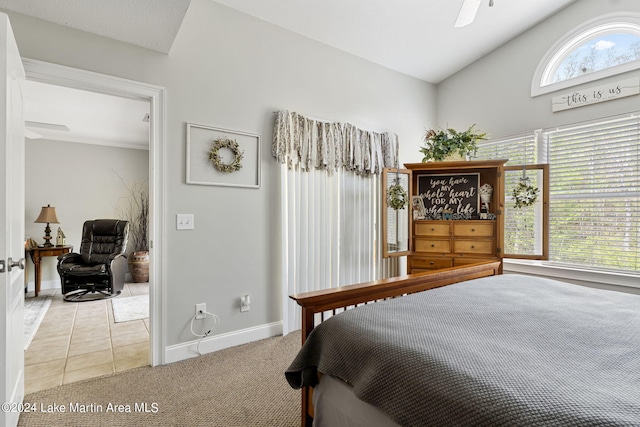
<point x="201" y="170"/>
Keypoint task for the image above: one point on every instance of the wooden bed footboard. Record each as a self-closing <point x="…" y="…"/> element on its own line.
<point x="317" y="305"/>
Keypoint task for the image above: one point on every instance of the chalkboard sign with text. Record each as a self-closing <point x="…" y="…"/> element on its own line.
<point x="457" y="193"/>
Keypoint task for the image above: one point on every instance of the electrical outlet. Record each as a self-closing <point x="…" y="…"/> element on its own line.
<point x="200" y="310"/>
<point x="245" y="303"/>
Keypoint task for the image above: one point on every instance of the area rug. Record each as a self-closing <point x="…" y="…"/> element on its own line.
<point x="126" y="309"/>
<point x="34" y="310"/>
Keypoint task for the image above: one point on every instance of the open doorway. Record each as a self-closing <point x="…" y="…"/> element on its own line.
<point x="134" y="93"/>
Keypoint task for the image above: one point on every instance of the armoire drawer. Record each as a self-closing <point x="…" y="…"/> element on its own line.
<point x="428" y="263"/>
<point x="433" y="228"/>
<point x="475" y="229"/>
<point x="485" y="247"/>
<point x="432" y="245"/>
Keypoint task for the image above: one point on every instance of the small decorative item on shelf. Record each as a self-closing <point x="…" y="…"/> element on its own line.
<point x="61" y="239"/>
<point x="462" y="215"/>
<point x="440" y="145"/>
<point x="447" y="214"/>
<point x="486" y="191"/>
<point x="397" y="197"/>
<point x="524" y="194"/>
<point x="419" y="211"/>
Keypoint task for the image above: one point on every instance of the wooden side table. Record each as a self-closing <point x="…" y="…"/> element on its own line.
<point x="38" y="252"/>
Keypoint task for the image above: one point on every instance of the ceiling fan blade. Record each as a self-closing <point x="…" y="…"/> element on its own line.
<point x="467" y="13"/>
<point x="51" y="126"/>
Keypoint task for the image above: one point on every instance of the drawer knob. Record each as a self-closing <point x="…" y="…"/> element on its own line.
<point x="473" y="247"/>
<point x="431" y="263"/>
<point x="473" y="229"/>
<point x="433" y="246"/>
<point x="433" y="229"/>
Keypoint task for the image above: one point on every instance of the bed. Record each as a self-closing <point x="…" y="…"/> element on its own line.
<point x="478" y="349"/>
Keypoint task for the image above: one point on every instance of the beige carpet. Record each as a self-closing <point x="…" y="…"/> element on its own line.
<point x="240" y="386"/>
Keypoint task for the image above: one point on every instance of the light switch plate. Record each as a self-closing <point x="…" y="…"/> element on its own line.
<point x="184" y="221"/>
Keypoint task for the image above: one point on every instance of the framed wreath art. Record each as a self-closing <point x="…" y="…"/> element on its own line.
<point x="217" y="156"/>
<point x="218" y="162"/>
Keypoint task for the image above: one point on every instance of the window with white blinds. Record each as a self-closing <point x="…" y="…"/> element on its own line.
<point x="595" y="194"/>
<point x="520" y="150"/>
<point x="594" y="191"/>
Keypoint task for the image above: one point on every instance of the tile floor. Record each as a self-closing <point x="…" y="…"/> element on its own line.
<point x="78" y="341"/>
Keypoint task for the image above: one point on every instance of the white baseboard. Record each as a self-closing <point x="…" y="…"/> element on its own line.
<point x="175" y="353"/>
<point x="45" y="284"/>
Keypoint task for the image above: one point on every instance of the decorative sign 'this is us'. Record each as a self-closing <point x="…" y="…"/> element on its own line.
<point x="608" y="92"/>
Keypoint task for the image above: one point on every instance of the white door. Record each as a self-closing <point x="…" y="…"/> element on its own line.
<point x="11" y="227"/>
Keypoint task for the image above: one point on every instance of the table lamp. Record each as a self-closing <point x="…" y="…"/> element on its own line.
<point x="47" y="216"/>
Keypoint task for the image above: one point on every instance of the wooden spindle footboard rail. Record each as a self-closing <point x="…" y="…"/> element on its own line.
<point x="344" y="297"/>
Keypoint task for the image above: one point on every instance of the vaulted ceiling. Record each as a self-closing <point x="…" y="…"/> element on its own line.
<point x="414" y="37"/>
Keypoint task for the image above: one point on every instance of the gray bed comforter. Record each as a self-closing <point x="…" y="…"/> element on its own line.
<point x="507" y="350"/>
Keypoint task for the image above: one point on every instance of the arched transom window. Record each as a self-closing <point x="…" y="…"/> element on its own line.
<point x="602" y="47"/>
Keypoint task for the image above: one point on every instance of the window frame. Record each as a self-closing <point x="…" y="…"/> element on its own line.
<point x="584" y="133"/>
<point x="619" y="22"/>
<point x="543" y="138"/>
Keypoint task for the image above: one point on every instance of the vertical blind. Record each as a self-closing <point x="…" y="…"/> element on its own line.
<point x="330" y="204"/>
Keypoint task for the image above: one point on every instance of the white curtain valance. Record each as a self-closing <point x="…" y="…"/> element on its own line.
<point x="304" y="143"/>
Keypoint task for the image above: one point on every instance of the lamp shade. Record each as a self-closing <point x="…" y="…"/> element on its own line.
<point x="47" y="216"/>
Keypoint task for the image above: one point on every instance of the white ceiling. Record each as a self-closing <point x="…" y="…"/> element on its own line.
<point x="414" y="37"/>
<point x="91" y="118"/>
<point x="147" y="23"/>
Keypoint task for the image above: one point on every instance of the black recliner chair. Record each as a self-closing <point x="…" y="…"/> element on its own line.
<point x="100" y="267"/>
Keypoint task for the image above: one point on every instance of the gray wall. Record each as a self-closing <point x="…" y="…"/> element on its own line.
<point x="495" y="91"/>
<point x="229" y="70"/>
<point x="81" y="181"/>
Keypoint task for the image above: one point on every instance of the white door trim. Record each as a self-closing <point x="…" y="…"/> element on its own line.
<point x="81" y="79"/>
